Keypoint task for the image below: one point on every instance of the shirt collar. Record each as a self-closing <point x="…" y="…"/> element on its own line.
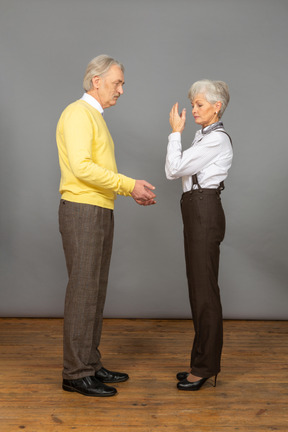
<point x="93" y="102"/>
<point x="212" y="127"/>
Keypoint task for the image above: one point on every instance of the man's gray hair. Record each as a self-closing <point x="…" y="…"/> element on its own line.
<point x="98" y="66"/>
<point x="213" y="91"/>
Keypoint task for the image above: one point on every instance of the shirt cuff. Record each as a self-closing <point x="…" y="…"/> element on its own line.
<point x="174" y="136"/>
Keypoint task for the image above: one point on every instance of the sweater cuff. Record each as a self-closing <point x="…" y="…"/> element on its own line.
<point x="127" y="185"/>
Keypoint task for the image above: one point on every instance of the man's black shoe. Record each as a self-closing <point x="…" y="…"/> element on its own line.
<point x="88" y="386"/>
<point x="106" y="376"/>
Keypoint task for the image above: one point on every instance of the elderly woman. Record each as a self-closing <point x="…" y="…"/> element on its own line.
<point x="203" y="168"/>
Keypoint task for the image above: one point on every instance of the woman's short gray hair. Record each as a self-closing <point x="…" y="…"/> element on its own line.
<point x="213" y="91"/>
<point x="98" y="66"/>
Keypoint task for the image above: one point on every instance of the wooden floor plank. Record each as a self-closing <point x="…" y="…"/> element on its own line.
<point x="251" y="393"/>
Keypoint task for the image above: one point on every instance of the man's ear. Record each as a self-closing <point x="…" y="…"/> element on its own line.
<point x="96" y="82"/>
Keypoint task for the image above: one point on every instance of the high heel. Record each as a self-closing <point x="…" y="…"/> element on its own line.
<point x="193" y="386"/>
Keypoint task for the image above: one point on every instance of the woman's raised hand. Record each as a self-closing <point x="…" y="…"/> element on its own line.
<point x="177" y="122"/>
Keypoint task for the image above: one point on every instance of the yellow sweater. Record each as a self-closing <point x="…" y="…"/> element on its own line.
<point x="87" y="160"/>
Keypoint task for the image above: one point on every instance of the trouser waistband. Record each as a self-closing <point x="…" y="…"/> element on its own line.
<point x="202" y="191"/>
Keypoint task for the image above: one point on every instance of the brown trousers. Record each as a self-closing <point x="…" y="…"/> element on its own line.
<point x="204" y="229"/>
<point x="87" y="237"/>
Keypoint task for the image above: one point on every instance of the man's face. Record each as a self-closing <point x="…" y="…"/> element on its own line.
<point x="111" y="87"/>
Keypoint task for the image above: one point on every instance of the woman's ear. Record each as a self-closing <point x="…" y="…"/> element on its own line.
<point x="218" y="106"/>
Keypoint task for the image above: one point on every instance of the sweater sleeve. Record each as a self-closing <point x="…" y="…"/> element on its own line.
<point x="78" y="137"/>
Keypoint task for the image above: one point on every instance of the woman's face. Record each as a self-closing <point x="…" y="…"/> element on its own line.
<point x="204" y="112"/>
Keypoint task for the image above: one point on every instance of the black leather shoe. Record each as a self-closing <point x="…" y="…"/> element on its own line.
<point x="88" y="386"/>
<point x="192" y="386"/>
<point x="182" y="375"/>
<point x="106" y="376"/>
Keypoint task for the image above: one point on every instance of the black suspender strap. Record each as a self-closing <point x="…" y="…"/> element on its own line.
<point x="195" y="180"/>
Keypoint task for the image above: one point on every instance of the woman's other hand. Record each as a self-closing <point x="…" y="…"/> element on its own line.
<point x="177" y="122"/>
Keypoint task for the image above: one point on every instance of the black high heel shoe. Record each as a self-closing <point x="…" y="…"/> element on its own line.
<point x="193" y="386"/>
<point x="182" y="375"/>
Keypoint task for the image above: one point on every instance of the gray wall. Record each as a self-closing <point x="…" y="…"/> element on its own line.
<point x="165" y="45"/>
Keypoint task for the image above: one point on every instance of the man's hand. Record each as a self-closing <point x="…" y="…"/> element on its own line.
<point x="177" y="122"/>
<point x="142" y="193"/>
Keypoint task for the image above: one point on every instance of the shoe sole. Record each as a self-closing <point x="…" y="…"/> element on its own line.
<point x="73" y="390"/>
<point x="189" y="389"/>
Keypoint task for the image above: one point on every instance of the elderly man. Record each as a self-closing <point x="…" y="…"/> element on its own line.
<point x="89" y="185"/>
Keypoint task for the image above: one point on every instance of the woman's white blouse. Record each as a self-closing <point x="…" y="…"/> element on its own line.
<point x="210" y="157"/>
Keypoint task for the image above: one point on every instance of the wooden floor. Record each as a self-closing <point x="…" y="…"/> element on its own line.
<point x="251" y="393"/>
